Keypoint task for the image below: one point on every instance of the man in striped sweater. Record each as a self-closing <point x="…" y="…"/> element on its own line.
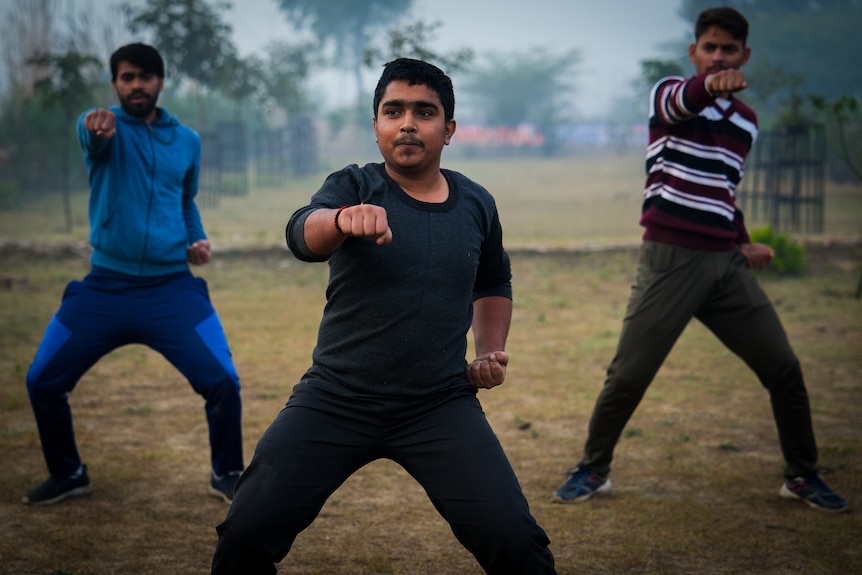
<point x="696" y="261"/>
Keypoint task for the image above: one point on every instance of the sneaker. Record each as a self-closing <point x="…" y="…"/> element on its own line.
<point x="56" y="489"/>
<point x="223" y="487"/>
<point x="580" y="485"/>
<point x="813" y="491"/>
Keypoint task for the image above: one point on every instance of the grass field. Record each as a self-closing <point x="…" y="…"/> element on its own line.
<point x="560" y="203"/>
<point x="696" y="475"/>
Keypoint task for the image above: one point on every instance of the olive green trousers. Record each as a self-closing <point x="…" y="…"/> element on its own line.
<point x="674" y="285"/>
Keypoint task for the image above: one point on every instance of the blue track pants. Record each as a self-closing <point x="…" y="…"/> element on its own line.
<point x="171" y="314"/>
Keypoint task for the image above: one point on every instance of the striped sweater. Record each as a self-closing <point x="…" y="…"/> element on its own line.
<point x="694" y="162"/>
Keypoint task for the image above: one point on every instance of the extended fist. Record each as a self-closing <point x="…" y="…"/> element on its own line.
<point x="726" y="82"/>
<point x="102" y="122"/>
<point x="365" y="221"/>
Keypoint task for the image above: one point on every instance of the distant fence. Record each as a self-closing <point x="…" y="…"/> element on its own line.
<point x="785" y="179"/>
<point x="230" y="163"/>
<point x="224" y="163"/>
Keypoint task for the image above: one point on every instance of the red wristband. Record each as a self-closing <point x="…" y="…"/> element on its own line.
<point x="337" y="226"/>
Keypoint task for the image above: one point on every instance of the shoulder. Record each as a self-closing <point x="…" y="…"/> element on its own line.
<point x="670" y="81"/>
<point x="350" y="173"/>
<point x="467" y="186"/>
<point x="353" y="184"/>
<point x="370" y="175"/>
<point x="167" y="120"/>
<point x="744" y="110"/>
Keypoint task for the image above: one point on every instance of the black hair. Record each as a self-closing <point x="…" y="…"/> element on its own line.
<point x="143" y="56"/>
<point x="728" y="19"/>
<point x="417" y="72"/>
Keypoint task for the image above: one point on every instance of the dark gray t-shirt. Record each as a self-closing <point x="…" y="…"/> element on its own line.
<point x="396" y="317"/>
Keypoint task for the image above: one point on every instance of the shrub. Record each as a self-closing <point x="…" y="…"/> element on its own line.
<point x="789" y="254"/>
<point x="10" y="196"/>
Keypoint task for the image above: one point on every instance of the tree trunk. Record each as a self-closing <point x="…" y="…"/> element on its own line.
<point x="64" y="175"/>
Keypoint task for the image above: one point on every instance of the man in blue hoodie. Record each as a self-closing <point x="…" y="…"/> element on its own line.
<point x="145" y="229"/>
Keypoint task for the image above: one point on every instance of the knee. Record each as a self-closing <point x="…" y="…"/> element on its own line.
<point x="39" y="387"/>
<point x="517" y="551"/>
<point x="238" y="553"/>
<point x="782" y="375"/>
<point x="507" y="539"/>
<point x="225" y="387"/>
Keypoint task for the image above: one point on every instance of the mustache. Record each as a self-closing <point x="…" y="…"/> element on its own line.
<point x="408" y="140"/>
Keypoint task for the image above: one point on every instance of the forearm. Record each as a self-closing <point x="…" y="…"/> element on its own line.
<point x="320" y="234"/>
<point x="492" y="317"/>
<point x="677" y="100"/>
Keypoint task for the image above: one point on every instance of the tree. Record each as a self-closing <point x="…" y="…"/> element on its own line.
<point x="654" y="70"/>
<point x="194" y="41"/>
<point x="68" y="85"/>
<point x="412" y="41"/>
<point x="287" y="68"/>
<point x="348" y="24"/>
<point x="843" y="114"/>
<point x="26" y="29"/>
<point x="530" y="87"/>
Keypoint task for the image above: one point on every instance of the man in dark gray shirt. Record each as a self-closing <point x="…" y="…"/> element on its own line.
<point x="416" y="259"/>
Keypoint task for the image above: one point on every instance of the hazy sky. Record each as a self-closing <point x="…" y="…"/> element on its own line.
<point x="612" y="36"/>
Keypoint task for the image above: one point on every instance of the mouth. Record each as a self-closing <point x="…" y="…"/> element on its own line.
<point x="408" y="142"/>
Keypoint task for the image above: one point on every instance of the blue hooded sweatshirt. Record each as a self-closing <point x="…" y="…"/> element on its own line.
<point x="143" y="182"/>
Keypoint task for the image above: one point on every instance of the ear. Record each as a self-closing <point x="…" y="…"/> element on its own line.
<point x="450" y="130"/>
<point x="692" y="48"/>
<point x="374" y="124"/>
<point x="746" y="54"/>
<point x="161" y="85"/>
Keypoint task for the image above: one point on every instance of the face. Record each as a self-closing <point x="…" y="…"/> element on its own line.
<point x="717" y="50"/>
<point x="410" y="127"/>
<point x="138" y="91"/>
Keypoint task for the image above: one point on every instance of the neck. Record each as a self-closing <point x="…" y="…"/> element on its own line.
<point x="430" y="186"/>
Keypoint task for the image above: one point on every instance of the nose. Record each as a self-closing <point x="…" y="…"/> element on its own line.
<point x="408" y="123"/>
<point x="137" y="82"/>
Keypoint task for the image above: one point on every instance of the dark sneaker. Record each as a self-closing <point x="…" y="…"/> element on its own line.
<point x="580" y="485"/>
<point x="813" y="491"/>
<point x="224" y="486"/>
<point x="56" y="489"/>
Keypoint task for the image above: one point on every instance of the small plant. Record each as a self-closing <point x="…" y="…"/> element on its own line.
<point x="522" y="424"/>
<point x="138" y="409"/>
<point x="10" y="196"/>
<point x="789" y="254"/>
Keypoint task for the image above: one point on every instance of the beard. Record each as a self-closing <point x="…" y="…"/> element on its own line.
<point x="141" y="108"/>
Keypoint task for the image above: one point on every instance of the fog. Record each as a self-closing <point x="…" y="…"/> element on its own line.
<point x="612" y="37"/>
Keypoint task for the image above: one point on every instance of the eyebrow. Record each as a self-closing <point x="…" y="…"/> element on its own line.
<point x="722" y="46"/>
<point x="405" y="104"/>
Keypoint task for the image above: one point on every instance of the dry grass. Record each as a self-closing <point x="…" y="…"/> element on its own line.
<point x="556" y="203"/>
<point x="696" y="477"/>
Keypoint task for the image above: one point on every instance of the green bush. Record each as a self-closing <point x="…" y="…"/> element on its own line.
<point x="10" y="196"/>
<point x="789" y="254"/>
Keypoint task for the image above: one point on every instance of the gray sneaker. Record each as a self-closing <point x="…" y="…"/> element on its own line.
<point x="56" y="489"/>
<point x="813" y="491"/>
<point x="224" y="486"/>
<point x="580" y="485"/>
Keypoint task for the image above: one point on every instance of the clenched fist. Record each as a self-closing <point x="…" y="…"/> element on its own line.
<point x="102" y="122"/>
